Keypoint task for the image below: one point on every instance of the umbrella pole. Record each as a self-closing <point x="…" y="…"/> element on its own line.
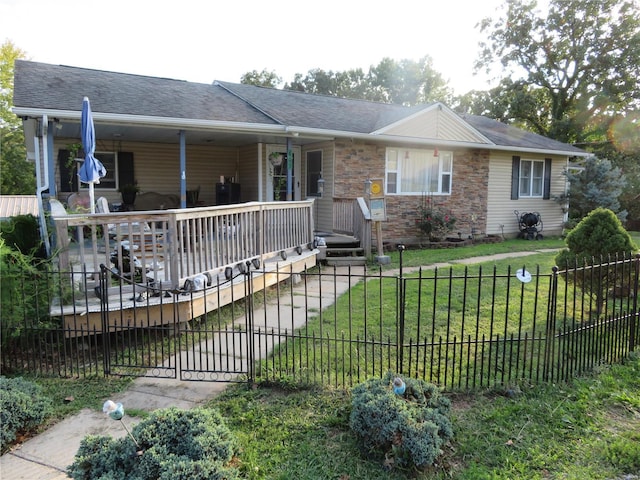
<point x="92" y="199"/>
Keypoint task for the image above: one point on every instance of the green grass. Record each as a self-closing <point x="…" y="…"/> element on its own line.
<point x="588" y="429"/>
<point x="424" y="257"/>
<point x="441" y="305"/>
<point x="70" y="395"/>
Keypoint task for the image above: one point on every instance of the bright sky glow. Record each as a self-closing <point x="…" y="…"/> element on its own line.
<point x="206" y="40"/>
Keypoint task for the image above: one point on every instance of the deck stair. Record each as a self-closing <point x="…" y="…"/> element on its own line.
<point x="344" y="250"/>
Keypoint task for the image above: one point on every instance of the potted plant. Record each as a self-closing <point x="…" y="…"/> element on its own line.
<point x="128" y="193"/>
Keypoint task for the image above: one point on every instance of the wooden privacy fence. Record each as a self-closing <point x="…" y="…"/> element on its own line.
<point x="458" y="328"/>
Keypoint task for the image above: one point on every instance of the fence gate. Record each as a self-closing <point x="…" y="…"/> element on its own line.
<point x="169" y="334"/>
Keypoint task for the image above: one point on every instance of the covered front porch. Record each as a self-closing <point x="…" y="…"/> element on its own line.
<point x="182" y="253"/>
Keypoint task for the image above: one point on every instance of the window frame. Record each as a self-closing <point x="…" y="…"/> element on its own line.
<point x="535" y="183"/>
<point x="110" y="182"/>
<point x="394" y="168"/>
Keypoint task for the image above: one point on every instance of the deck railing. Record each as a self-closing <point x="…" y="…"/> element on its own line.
<point x="352" y="216"/>
<point x="169" y="246"/>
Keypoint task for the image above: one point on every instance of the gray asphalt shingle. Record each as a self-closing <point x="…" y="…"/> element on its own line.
<point x="44" y="86"/>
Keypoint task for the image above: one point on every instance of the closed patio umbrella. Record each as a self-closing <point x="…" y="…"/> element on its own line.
<point x="92" y="169"/>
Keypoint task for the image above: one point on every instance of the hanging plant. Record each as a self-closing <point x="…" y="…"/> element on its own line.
<point x="71" y="164"/>
<point x="276" y="158"/>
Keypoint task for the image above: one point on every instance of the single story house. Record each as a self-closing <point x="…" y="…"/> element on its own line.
<point x="220" y="143"/>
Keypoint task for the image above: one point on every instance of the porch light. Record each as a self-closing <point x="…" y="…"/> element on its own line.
<point x="367" y="187"/>
<point x="320" y="186"/>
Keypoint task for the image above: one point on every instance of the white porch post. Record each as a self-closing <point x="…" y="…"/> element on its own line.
<point x="183" y="171"/>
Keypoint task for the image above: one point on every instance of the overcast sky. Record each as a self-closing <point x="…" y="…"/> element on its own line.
<point x="206" y="40"/>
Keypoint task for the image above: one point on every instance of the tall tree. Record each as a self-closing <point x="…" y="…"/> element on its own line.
<point x="404" y="82"/>
<point x="264" y="78"/>
<point x="408" y="82"/>
<point x="578" y="66"/>
<point x="17" y="174"/>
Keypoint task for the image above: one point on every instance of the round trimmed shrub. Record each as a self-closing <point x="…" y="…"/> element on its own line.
<point x="23" y="407"/>
<point x="406" y="429"/>
<point x="173" y="444"/>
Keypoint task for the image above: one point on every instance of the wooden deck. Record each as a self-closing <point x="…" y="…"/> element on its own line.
<point x="171" y="250"/>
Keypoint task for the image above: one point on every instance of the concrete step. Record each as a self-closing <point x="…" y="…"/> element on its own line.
<point x="344" y="261"/>
<point x="344" y="251"/>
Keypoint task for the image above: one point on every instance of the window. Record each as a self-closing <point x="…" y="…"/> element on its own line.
<point x="119" y="166"/>
<point x="314" y="172"/>
<point x="530" y="178"/>
<point x="414" y="171"/>
<point x="109" y="181"/>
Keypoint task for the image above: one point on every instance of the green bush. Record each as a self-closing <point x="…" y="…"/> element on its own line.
<point x="598" y="237"/>
<point x="22" y="408"/>
<point x="24" y="293"/>
<point x="406" y="430"/>
<point x="175" y="444"/>
<point x="22" y="233"/>
<point x="598" y="234"/>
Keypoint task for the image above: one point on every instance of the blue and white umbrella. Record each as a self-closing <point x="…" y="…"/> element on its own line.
<point x="92" y="169"/>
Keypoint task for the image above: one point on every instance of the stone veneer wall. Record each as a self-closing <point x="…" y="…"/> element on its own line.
<point x="356" y="161"/>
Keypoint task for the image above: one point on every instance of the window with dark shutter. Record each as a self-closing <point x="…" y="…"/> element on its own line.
<point x="515" y="177"/>
<point x="124" y="171"/>
<point x="126" y="174"/>
<point x="547" y="179"/>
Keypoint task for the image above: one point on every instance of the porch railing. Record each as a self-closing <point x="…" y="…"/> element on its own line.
<point x="169" y="246"/>
<point x="351" y="216"/>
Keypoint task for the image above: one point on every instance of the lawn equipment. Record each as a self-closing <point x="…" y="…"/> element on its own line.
<point x="530" y="225"/>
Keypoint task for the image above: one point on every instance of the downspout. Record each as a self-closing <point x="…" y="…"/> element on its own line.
<point x="260" y="198"/>
<point x="48" y="149"/>
<point x="183" y="171"/>
<point x="289" y="171"/>
<point x="41" y="188"/>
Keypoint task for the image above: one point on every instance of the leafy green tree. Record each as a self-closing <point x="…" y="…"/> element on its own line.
<point x="17" y="174"/>
<point x="599" y="184"/>
<point x="598" y="237"/>
<point x="404" y="82"/>
<point x="347" y="84"/>
<point x="408" y="82"/>
<point x="574" y="71"/>
<point x="264" y="78"/>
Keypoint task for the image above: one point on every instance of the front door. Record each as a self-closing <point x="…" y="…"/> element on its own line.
<point x="277" y="175"/>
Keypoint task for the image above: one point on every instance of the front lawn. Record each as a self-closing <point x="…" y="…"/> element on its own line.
<point x="589" y="429"/>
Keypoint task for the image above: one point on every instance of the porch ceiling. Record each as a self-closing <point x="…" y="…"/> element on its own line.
<point x="136" y="133"/>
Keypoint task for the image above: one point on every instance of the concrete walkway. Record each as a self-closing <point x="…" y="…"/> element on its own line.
<point x="47" y="455"/>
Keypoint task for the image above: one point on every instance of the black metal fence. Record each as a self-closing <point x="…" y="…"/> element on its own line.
<point x="460" y="328"/>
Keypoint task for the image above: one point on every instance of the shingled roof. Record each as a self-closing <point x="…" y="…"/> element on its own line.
<point x="54" y="87"/>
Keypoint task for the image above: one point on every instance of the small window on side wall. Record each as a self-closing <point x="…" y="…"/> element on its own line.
<point x="530" y="178"/>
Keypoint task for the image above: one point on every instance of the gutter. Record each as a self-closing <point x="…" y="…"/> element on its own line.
<point x="394" y="139"/>
<point x="283" y="130"/>
<point x="145" y="120"/>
